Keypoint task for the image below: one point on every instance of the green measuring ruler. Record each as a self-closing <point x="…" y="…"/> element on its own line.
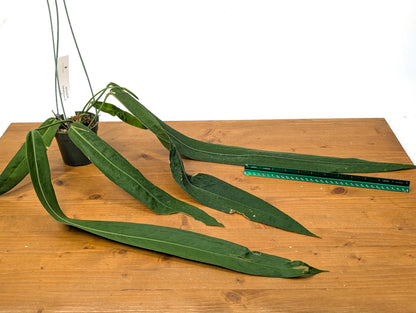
<point x="328" y="178"/>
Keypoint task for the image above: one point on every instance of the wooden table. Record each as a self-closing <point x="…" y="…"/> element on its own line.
<point x="368" y="236"/>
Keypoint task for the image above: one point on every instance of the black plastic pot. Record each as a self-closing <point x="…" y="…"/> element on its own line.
<point x="71" y="155"/>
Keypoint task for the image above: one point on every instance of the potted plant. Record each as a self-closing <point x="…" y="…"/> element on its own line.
<point x="71" y="155"/>
<point x="206" y="189"/>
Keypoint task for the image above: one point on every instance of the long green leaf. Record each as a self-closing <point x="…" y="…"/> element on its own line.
<point x="130" y="179"/>
<point x="219" y="195"/>
<point x="224" y="197"/>
<point x="17" y="168"/>
<point x="185" y="244"/>
<point x="209" y="152"/>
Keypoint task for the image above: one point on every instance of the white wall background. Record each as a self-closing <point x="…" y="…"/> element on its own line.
<point x="221" y="59"/>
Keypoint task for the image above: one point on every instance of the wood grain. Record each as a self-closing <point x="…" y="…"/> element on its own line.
<point x="368" y="239"/>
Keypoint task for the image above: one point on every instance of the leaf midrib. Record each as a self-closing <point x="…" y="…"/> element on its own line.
<point x="288" y="155"/>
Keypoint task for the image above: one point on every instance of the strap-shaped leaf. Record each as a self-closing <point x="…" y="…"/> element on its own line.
<point x="223" y="197"/>
<point x="209" y="152"/>
<point x="17" y="169"/>
<point x="126" y="176"/>
<point x="181" y="243"/>
<point x="219" y="195"/>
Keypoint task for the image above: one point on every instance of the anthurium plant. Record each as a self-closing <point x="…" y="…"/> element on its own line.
<point x="206" y="189"/>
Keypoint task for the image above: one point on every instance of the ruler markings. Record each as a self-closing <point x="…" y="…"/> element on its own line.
<point x="328" y="178"/>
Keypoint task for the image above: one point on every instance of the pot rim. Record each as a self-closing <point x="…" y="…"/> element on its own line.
<point x="63" y="130"/>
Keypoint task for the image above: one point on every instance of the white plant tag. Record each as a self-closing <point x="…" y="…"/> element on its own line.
<point x="63" y="77"/>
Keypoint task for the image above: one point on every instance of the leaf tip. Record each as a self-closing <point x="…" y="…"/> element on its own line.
<point x="215" y="223"/>
<point x="313" y="271"/>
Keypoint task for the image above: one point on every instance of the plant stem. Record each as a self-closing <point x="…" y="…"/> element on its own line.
<point x="77" y="47"/>
<point x="55" y="48"/>
<point x="94" y="99"/>
<point x="55" y="45"/>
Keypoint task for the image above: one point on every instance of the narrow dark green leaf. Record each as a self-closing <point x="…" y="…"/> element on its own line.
<point x="209" y="152"/>
<point x="234" y="199"/>
<point x="199" y="247"/>
<point x="130" y="179"/>
<point x="122" y="115"/>
<point x="17" y="168"/>
<point x="219" y="195"/>
<point x="40" y="175"/>
<point x="181" y="243"/>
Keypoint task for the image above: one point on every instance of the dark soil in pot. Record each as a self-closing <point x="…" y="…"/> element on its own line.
<point x="70" y="153"/>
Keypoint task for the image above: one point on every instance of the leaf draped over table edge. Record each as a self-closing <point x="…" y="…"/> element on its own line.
<point x="177" y="242"/>
<point x="225" y="197"/>
<point x="17" y="168"/>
